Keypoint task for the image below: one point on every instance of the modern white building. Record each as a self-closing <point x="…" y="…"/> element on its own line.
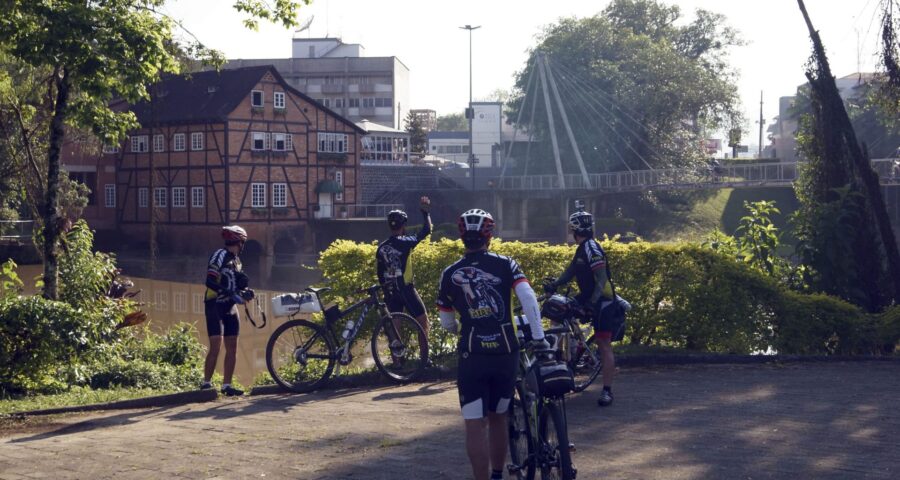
<point x="486" y="138"/>
<point x="339" y="76"/>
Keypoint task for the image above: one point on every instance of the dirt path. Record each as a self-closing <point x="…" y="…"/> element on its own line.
<point x="797" y="421"/>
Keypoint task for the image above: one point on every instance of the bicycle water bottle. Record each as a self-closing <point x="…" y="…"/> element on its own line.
<point x="347" y="328"/>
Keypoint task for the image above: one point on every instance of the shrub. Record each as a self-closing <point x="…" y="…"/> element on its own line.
<point x="683" y="295"/>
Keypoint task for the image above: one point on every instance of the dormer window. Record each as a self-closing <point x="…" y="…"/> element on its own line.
<point x="256" y="98"/>
<point x="279" y="100"/>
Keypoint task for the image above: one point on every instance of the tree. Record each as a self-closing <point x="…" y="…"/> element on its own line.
<point x="418" y="137"/>
<point x="454" y="122"/>
<point x="86" y="54"/>
<point x="640" y="86"/>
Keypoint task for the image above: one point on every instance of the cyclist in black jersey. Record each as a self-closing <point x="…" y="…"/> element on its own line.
<point x="588" y="268"/>
<point x="479" y="288"/>
<point x="394" y="268"/>
<point x="226" y="286"/>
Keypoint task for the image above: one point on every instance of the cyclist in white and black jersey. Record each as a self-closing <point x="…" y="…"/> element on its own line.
<point x="479" y="288"/>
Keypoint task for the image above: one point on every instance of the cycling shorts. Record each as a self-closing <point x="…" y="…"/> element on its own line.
<point x="221" y="319"/>
<point x="407" y="297"/>
<point x="486" y="383"/>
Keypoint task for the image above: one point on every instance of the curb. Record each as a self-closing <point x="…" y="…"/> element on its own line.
<point x="170" y="400"/>
<point x="376" y="379"/>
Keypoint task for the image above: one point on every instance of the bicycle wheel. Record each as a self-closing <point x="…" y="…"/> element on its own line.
<point x="521" y="447"/>
<point x="400" y="347"/>
<point x="300" y="356"/>
<point x="555" y="458"/>
<point x="586" y="362"/>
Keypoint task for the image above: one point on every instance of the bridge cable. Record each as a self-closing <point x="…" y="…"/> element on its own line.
<point x="516" y="125"/>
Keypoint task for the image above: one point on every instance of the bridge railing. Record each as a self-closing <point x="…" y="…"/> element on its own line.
<point x="16" y="230"/>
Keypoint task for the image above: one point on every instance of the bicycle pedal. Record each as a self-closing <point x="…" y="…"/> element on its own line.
<point x="572" y="447"/>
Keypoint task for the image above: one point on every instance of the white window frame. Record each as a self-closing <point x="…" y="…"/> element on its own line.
<point x="179" y="302"/>
<point x="159" y="142"/>
<point x="339" y="178"/>
<point x="198" y="197"/>
<point x="286" y="140"/>
<point x="179" y="195"/>
<point x="139" y="144"/>
<point x="109" y="195"/>
<point x="179" y="142"/>
<point x="110" y="148"/>
<point x="279" y="195"/>
<point x="258" y="195"/>
<point x="160" y="197"/>
<point x="161" y="300"/>
<point x="197" y="301"/>
<point x="278" y="100"/>
<point x="262" y="98"/>
<point x="332" y="142"/>
<point x="197" y="141"/>
<point x="259" y="136"/>
<point x="143" y="197"/>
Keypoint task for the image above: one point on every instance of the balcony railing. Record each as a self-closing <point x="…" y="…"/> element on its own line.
<point x="354" y="211"/>
<point x="16" y="230"/>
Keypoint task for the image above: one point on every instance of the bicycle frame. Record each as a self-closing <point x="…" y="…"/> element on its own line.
<point x="342" y="354"/>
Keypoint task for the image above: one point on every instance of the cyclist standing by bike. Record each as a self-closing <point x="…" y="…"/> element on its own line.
<point x="225" y="288"/>
<point x="479" y="288"/>
<point x="588" y="268"/>
<point x="395" y="269"/>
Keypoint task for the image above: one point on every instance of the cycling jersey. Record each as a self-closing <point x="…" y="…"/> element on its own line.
<point x="479" y="287"/>
<point x="220" y="273"/>
<point x="589" y="258"/>
<point x="394" y="267"/>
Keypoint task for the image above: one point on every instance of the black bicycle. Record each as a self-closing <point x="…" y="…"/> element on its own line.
<point x="301" y="355"/>
<point x="538" y="428"/>
<point x="577" y="346"/>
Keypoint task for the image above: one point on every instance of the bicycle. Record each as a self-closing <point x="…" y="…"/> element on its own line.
<point x="301" y="355"/>
<point x="580" y="353"/>
<point x="538" y="428"/>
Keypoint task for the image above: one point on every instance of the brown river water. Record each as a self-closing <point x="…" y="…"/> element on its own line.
<point x="168" y="303"/>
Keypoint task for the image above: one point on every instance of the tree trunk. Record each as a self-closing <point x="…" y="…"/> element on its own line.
<point x="869" y="178"/>
<point x="52" y="221"/>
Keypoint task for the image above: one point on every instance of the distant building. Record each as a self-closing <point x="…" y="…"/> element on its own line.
<point x="427" y="117"/>
<point x="237" y="146"/>
<point x="342" y="78"/>
<point x="383" y="145"/>
<point x="487" y="138"/>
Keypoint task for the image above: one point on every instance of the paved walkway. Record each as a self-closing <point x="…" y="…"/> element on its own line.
<point x="825" y="420"/>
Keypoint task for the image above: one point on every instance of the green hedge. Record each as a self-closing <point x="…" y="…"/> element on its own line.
<point x="684" y="296"/>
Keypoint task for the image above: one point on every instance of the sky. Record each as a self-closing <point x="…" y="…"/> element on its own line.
<point x="425" y="36"/>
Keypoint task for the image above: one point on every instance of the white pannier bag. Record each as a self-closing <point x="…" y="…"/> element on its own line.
<point x="288" y="304"/>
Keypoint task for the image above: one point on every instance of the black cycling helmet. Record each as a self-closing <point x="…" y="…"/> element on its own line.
<point x="582" y="223"/>
<point x="476" y="227"/>
<point x="397" y="219"/>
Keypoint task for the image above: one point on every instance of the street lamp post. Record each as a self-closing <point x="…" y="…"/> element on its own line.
<point x="470" y="112"/>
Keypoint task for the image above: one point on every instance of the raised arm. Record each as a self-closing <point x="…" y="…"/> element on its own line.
<point x="530" y="308"/>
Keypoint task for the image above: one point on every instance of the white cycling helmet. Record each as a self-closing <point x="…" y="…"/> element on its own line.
<point x="233" y="234"/>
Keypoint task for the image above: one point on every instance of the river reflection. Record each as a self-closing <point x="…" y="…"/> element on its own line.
<point x="168" y="303"/>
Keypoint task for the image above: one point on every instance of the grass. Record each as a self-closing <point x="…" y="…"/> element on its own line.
<point x="77" y="396"/>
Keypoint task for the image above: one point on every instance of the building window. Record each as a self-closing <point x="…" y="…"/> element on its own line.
<point x="197" y="141"/>
<point x="260" y="141"/>
<point x="158" y="142"/>
<point x="282" y="142"/>
<point x="338" y="103"/>
<point x="368" y="102"/>
<point x="353" y="103"/>
<point x="383" y="102"/>
<point x="139" y="144"/>
<point x="143" y="193"/>
<point x="256" y="98"/>
<point x="110" y="148"/>
<point x="179" y="302"/>
<point x="161" y="300"/>
<point x="279" y="194"/>
<point x="178" y="142"/>
<point x="159" y="197"/>
<point x="339" y="178"/>
<point x="109" y="194"/>
<point x="197" y="199"/>
<point x="279" y="100"/>
<point x="333" y="142"/>
<point x="197" y="300"/>
<point x="178" y="196"/>
<point x="258" y="195"/>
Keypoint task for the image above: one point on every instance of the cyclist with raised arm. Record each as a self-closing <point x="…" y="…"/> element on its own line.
<point x="226" y="287"/>
<point x="394" y="269"/>
<point x="479" y="288"/>
<point x="588" y="268"/>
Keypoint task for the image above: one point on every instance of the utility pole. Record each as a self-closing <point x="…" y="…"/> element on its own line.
<point x="762" y="124"/>
<point x="470" y="112"/>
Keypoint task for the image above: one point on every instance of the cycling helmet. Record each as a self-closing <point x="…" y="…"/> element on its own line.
<point x="233" y="234"/>
<point x="582" y="223"/>
<point x="475" y="227"/>
<point x="397" y="219"/>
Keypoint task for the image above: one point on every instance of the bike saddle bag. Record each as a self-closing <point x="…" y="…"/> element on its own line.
<point x="554" y="379"/>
